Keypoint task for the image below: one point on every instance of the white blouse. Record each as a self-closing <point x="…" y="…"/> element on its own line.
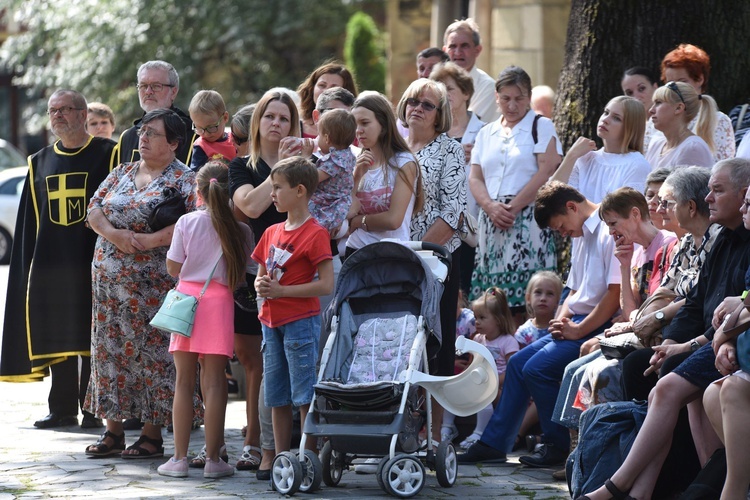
<point x="508" y="161"/>
<point x="597" y="173"/>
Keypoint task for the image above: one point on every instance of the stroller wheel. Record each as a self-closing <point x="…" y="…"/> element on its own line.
<point x="286" y="473"/>
<point x="446" y="465"/>
<point x="312" y="473"/>
<point x="332" y="464"/>
<point x="403" y="476"/>
<point x="379" y="473"/>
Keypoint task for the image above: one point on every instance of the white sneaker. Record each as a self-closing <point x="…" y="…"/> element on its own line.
<point x="174" y="468"/>
<point x="448" y="433"/>
<point x="370" y="466"/>
<point x="466" y="443"/>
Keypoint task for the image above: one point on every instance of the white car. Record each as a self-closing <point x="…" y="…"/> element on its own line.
<point x="10" y="156"/>
<point x="11" y="186"/>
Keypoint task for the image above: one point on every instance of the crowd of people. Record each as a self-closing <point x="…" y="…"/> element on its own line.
<point x="271" y="200"/>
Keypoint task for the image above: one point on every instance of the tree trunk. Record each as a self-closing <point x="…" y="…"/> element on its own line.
<point x="606" y="37"/>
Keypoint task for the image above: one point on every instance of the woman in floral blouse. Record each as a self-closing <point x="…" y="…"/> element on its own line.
<point x="132" y="372"/>
<point x="425" y="110"/>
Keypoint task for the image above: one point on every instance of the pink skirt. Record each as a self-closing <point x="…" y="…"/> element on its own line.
<point x="213" y="331"/>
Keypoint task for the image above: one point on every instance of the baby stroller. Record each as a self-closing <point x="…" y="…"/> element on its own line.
<point x="384" y="326"/>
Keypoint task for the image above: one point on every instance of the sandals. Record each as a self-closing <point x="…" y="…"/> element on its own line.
<point x="143" y="453"/>
<point x="101" y="449"/>
<point x="199" y="461"/>
<point x="247" y="460"/>
<point x="617" y="493"/>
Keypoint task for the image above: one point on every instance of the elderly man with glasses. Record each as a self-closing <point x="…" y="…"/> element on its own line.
<point x="48" y="307"/>
<point x="158" y="84"/>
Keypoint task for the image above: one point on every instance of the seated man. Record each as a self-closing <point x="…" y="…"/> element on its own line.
<point x="536" y="370"/>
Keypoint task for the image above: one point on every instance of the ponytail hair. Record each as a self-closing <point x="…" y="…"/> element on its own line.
<point x="213" y="185"/>
<point x="701" y="105"/>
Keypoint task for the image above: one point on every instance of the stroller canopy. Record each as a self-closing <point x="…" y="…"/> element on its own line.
<point x="386" y="270"/>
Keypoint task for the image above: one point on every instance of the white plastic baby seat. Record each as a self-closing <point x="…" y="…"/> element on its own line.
<point x="468" y="392"/>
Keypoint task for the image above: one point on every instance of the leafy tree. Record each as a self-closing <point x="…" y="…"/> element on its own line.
<point x="238" y="47"/>
<point x="363" y="52"/>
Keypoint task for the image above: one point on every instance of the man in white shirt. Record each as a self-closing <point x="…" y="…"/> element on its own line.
<point x="463" y="44"/>
<point x="537" y="370"/>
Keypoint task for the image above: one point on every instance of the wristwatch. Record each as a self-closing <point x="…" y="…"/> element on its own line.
<point x="694" y="345"/>
<point x="659" y="315"/>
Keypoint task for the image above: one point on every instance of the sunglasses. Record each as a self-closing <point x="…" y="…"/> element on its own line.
<point x="427" y="106"/>
<point x="673" y="87"/>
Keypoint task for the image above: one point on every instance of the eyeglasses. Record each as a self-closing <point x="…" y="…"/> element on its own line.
<point x="149" y="133"/>
<point x="667" y="204"/>
<point x="155" y="87"/>
<point x="673" y="87"/>
<point x="65" y="110"/>
<point x="746" y="205"/>
<point x="207" y="130"/>
<point x="427" y="106"/>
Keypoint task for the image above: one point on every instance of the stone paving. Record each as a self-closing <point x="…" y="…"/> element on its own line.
<point x="51" y="464"/>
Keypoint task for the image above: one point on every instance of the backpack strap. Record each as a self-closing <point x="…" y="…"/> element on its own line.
<point x="535" y="134"/>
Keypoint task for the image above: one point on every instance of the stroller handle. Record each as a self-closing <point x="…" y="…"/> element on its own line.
<point x="441" y="252"/>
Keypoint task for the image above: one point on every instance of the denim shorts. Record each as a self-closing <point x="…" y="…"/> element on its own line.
<point x="290" y="354"/>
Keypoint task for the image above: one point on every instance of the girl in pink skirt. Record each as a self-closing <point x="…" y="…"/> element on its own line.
<point x="200" y="240"/>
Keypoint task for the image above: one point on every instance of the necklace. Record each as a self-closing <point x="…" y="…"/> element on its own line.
<point x="287" y="226"/>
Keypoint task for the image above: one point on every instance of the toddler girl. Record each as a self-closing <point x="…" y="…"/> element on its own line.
<point x="333" y="197"/>
<point x="494" y="330"/>
<point x="542" y="297"/>
<point x="200" y="240"/>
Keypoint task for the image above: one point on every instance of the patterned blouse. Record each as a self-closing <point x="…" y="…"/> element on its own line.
<point x="687" y="262"/>
<point x="444" y="181"/>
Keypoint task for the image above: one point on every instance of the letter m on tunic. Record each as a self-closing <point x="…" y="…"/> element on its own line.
<point x="66" y="194"/>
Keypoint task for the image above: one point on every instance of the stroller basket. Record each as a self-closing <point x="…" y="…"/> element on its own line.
<point x="366" y="398"/>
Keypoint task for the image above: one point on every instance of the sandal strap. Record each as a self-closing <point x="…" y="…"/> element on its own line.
<point x="616" y="492"/>
<point x="158" y="443"/>
<point x="115" y="438"/>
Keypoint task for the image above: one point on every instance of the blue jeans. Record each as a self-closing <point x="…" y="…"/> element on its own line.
<point x="535" y="371"/>
<point x="290" y="354"/>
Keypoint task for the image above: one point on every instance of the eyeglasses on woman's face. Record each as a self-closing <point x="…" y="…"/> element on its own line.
<point x="426" y="105"/>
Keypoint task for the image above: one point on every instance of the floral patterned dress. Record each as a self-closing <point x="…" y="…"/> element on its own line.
<point x="132" y="372"/>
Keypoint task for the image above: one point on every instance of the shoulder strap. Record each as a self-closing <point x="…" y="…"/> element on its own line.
<point x="208" y="281"/>
<point x="740" y="117"/>
<point x="534" y="133"/>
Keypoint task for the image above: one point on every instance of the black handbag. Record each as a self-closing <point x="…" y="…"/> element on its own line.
<point x="167" y="211"/>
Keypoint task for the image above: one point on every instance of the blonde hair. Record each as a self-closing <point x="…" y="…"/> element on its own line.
<point x="213" y="185"/>
<point x="494" y="301"/>
<point x="701" y="105"/>
<point x="419" y="87"/>
<point x="260" y="110"/>
<point x="207" y="102"/>
<point x="633" y="123"/>
<point x="538" y="277"/>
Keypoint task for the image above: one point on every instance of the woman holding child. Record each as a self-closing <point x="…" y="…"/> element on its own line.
<point x="273" y="130"/>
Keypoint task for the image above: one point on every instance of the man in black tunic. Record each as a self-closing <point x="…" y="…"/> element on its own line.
<point x="48" y="308"/>
<point x="158" y="84"/>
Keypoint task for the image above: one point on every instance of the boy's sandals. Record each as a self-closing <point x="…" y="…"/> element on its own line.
<point x="144" y="453"/>
<point x="102" y="449"/>
<point x="247" y="460"/>
<point x="199" y="461"/>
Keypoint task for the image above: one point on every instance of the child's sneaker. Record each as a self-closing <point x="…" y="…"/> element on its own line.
<point x="448" y="433"/>
<point x="174" y="468"/>
<point x="215" y="470"/>
<point x="466" y="443"/>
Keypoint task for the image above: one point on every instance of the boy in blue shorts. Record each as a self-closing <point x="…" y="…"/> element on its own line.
<point x="289" y="254"/>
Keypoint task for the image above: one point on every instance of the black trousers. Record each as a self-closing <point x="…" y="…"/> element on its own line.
<point x="68" y="388"/>
<point x="446" y="356"/>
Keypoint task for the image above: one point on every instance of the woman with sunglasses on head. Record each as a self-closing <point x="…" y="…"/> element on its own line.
<point x="512" y="157"/>
<point x="690" y="64"/>
<point x="674" y="106"/>
<point x="425" y="110"/>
